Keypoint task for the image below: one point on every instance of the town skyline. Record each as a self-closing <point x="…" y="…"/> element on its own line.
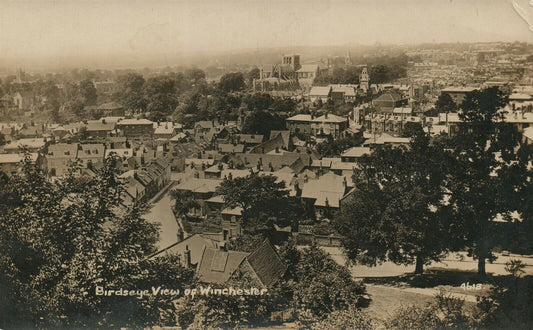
<point x="67" y="29"/>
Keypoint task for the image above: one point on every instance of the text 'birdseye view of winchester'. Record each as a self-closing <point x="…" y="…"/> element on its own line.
<point x="282" y="164"/>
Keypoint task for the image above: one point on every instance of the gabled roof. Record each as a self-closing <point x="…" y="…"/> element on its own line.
<point x="16" y="158"/>
<point x="330" y="118"/>
<point x="300" y="117"/>
<point x="229" y="148"/>
<point x="356" y="152"/>
<point x="31" y="143"/>
<point x="249" y="138"/>
<point x="195" y="243"/>
<point x="217" y="266"/>
<point x="91" y="151"/>
<point x="285" y="135"/>
<point x="137" y="121"/>
<point x="63" y="150"/>
<point x="320" y="91"/>
<point x="329" y="186"/>
<point x="266" y="264"/>
<point x="100" y="126"/>
<point x="199" y="185"/>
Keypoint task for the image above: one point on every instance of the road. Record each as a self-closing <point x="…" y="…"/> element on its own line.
<point x="450" y="262"/>
<point x="161" y="212"/>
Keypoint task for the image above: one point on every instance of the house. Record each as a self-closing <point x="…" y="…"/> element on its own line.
<point x="32" y="145"/>
<point x="385" y="138"/>
<point x="189" y="249"/>
<point x="201" y="189"/>
<point x="249" y="140"/>
<point x="386" y="102"/>
<point x="136" y="128"/>
<point x="112" y="109"/>
<point x="99" y="128"/>
<point x="323" y="194"/>
<point x="321" y="93"/>
<point x="275" y="144"/>
<point x="355" y="153"/>
<point x="165" y="130"/>
<point x="458" y="94"/>
<point x="228" y="148"/>
<point x="127" y="159"/>
<point x="329" y="125"/>
<point x="263" y="266"/>
<point x="308" y="72"/>
<point x="91" y="155"/>
<point x="343" y="93"/>
<point x="153" y="177"/>
<point x="231" y="222"/>
<point x="134" y="191"/>
<point x="23" y="100"/>
<point x="10" y="164"/>
<point x="299" y="124"/>
<point x="60" y="157"/>
<point x="203" y="127"/>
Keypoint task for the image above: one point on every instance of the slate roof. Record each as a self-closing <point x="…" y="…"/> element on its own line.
<point x="16" y="158"/>
<point x="230" y="148"/>
<point x="356" y="152"/>
<point x="320" y="91"/>
<point x="266" y="264"/>
<point x="91" y="151"/>
<point x="329" y="186"/>
<point x="249" y="138"/>
<point x="300" y="117"/>
<point x="137" y="121"/>
<point x="195" y="243"/>
<point x="217" y="266"/>
<point x="285" y="135"/>
<point x="199" y="185"/>
<point x="331" y="118"/>
<point x="63" y="150"/>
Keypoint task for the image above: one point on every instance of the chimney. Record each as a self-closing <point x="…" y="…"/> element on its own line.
<point x="187" y="256"/>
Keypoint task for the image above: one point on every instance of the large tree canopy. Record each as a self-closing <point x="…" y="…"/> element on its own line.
<point x="488" y="172"/>
<point x="398" y="211"/>
<point x="60" y="240"/>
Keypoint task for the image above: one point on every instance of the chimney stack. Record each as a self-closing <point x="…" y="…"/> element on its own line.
<point x="187" y="257"/>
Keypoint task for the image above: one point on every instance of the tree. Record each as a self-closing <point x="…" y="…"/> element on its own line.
<point x="445" y="103"/>
<point x="131" y="91"/>
<point x="484" y="149"/>
<point x="398" y="211"/>
<point x="2" y="139"/>
<point x="88" y="92"/>
<point x="322" y="286"/>
<point x="262" y="122"/>
<point x="253" y="74"/>
<point x="160" y="97"/>
<point x="232" y="82"/>
<point x="260" y="197"/>
<point x="60" y="240"/>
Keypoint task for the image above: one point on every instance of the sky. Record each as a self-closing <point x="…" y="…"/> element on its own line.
<point x="66" y="28"/>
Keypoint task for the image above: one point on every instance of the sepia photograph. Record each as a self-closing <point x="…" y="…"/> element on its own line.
<point x="254" y="164"/>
